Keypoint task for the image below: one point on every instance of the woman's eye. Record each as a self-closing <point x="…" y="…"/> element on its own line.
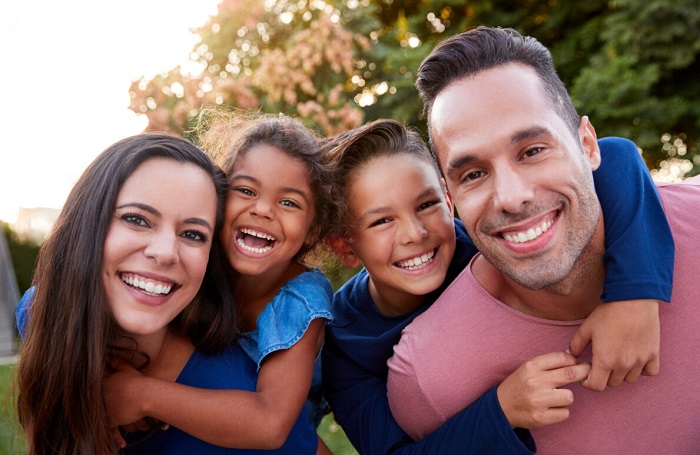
<point x="195" y="235"/>
<point x="133" y="218"/>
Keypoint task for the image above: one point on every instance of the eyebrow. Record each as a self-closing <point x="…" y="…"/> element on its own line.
<point x="457" y="163"/>
<point x="286" y="189"/>
<point x="152" y="210"/>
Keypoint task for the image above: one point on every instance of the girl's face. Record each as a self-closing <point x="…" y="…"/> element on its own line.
<point x="269" y="212"/>
<point x="157" y="245"/>
<point x="403" y="228"/>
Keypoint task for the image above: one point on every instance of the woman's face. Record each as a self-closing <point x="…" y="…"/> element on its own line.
<point x="157" y="245"/>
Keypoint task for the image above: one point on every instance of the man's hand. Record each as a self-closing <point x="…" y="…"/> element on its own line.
<point x="530" y="398"/>
<point x="625" y="338"/>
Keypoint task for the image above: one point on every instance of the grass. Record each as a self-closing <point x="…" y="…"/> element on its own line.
<point x="12" y="442"/>
<point x="11" y="438"/>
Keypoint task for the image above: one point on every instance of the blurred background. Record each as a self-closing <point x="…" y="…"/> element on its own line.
<point x="79" y="75"/>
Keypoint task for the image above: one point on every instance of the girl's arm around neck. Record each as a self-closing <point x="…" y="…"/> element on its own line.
<point x="237" y="418"/>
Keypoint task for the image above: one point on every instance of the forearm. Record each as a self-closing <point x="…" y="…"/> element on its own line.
<point x="639" y="245"/>
<point x="228" y="418"/>
<point x="362" y="409"/>
<point x="480" y="428"/>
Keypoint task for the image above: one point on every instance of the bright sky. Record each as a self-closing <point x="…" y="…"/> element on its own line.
<point x="65" y="72"/>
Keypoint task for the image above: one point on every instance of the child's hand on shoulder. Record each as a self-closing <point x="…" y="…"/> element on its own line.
<point x="625" y="338"/>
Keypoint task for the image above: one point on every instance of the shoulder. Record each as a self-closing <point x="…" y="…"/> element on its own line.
<point x="612" y="143"/>
<point x="349" y="300"/>
<point x="311" y="286"/>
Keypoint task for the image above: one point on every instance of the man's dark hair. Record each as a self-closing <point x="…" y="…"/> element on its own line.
<point x="483" y="48"/>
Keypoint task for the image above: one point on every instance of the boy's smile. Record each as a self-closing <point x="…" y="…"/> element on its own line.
<point x="403" y="229"/>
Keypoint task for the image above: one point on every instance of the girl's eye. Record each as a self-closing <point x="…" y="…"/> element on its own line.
<point x="197" y="236"/>
<point x="289" y="203"/>
<point x="135" y="219"/>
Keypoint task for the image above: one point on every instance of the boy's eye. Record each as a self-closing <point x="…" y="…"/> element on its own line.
<point x="379" y="222"/>
<point x="197" y="236"/>
<point x="135" y="219"/>
<point x="428" y="204"/>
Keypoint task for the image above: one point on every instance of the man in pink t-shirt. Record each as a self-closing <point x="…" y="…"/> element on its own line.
<point x="518" y="162"/>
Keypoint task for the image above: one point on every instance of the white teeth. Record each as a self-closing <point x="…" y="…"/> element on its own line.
<point x="417" y="262"/>
<point x="260" y="235"/>
<point x="264" y="249"/>
<point x="530" y="234"/>
<point x="149" y="286"/>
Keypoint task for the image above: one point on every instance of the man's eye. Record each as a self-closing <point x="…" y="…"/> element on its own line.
<point x="532" y="152"/>
<point x="474" y="175"/>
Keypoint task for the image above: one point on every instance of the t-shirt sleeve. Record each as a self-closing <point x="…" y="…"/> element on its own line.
<point x="639" y="245"/>
<point x="285" y="320"/>
<point x="416" y="416"/>
<point x="22" y="311"/>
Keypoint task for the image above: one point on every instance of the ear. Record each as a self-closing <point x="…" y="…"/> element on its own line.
<point x="589" y="142"/>
<point x="448" y="196"/>
<point x="341" y="248"/>
<point x="312" y="236"/>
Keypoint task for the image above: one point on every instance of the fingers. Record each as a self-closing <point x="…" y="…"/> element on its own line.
<point x="597" y="378"/>
<point x="531" y="396"/>
<point x="602" y="375"/>
<point x="581" y="339"/>
<point x="570" y="374"/>
<point x="652" y="367"/>
<point x="117" y="437"/>
<point x="550" y="361"/>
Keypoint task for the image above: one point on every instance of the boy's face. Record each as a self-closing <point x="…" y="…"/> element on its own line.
<point x="403" y="229"/>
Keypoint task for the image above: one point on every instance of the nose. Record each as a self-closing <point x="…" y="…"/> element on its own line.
<point x="262" y="208"/>
<point x="412" y="231"/>
<point x="163" y="248"/>
<point x="511" y="189"/>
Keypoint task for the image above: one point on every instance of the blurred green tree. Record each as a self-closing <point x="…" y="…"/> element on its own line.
<point x="631" y="65"/>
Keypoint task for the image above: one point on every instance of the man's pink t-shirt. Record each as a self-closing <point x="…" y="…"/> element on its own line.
<point x="468" y="342"/>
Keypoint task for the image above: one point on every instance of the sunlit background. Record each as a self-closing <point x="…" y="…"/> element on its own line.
<point x="66" y="71"/>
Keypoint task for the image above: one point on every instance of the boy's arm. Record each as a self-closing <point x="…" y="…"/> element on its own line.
<point x="227" y="418"/>
<point x="360" y="405"/>
<point x="639" y="270"/>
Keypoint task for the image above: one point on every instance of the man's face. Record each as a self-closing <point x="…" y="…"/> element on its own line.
<point x="521" y="182"/>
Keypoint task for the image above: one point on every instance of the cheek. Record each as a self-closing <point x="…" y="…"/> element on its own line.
<point x="197" y="266"/>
